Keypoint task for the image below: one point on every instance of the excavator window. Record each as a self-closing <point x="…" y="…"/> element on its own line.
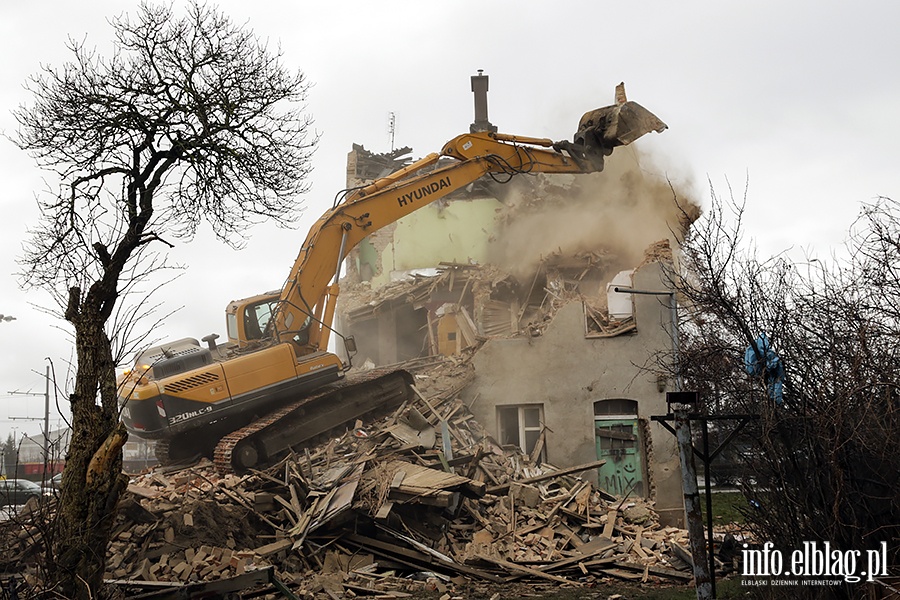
<point x="256" y="317"/>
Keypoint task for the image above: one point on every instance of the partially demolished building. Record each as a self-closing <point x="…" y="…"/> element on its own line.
<point x="520" y="281"/>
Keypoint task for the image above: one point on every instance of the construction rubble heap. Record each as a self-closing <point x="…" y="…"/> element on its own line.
<point x="421" y="499"/>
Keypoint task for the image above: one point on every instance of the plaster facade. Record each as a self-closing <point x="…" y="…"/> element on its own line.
<point x="566" y="374"/>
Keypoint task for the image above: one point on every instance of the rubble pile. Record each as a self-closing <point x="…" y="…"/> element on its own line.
<point x="422" y="491"/>
<point x="422" y="498"/>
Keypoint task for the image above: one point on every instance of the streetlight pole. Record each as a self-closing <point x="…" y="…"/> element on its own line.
<point x="46" y="395"/>
<point x="15" y="456"/>
<point x="46" y="417"/>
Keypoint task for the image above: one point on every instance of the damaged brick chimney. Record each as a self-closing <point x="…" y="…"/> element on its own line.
<point x="480" y="88"/>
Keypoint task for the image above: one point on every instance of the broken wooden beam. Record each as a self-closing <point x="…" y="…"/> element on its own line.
<point x="655" y="570"/>
<point x="499" y="490"/>
<point x="414" y="557"/>
<point x="510" y="566"/>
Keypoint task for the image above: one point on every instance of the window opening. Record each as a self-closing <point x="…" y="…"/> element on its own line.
<point x="520" y="426"/>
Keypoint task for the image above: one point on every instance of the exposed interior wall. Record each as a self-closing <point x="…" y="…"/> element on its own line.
<point x="457" y="231"/>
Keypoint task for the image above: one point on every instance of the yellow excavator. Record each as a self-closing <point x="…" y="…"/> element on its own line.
<point x="274" y="385"/>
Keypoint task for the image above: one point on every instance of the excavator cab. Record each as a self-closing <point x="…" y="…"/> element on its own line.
<point x="247" y="319"/>
<point x="253" y="319"/>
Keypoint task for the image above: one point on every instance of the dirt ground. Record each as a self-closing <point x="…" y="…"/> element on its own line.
<point x="613" y="590"/>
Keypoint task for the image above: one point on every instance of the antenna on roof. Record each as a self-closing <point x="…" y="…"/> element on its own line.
<point x="392" y="127"/>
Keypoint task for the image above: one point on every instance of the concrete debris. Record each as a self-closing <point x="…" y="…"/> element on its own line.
<point x="375" y="511"/>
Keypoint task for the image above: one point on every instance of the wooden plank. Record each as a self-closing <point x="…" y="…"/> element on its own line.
<point x="397" y="553"/>
<point x="614" y="435"/>
<point x="581" y="558"/>
<point x="340" y="499"/>
<point x="595" y="546"/>
<point x="538" y="447"/>
<point x="564" y="530"/>
<point x="417" y="476"/>
<point x="143" y="492"/>
<point x="274" y="547"/>
<point x="624" y="574"/>
<point x="295" y="499"/>
<point x="655" y="570"/>
<point x="413" y="437"/>
<point x="432" y="342"/>
<point x="291" y="515"/>
<point x="503" y="489"/>
<point x="399" y="476"/>
<point x="527" y="570"/>
<point x="682" y="553"/>
<point x="364" y="591"/>
<point x="384" y="510"/>
<point x="610" y="523"/>
<point x="467" y="326"/>
<point x="441" y="499"/>
<point x="422" y="397"/>
<point x="605" y="561"/>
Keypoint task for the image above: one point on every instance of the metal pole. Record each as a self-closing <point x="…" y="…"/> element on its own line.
<point x="676" y="356"/>
<point x="340" y="260"/>
<point x="46" y="419"/>
<point x="692" y="504"/>
<point x="709" y="516"/>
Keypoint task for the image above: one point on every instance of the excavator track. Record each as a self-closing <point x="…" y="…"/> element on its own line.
<point x="332" y="407"/>
<point x="182" y="451"/>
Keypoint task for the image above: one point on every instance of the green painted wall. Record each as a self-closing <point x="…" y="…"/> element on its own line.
<point x="458" y="231"/>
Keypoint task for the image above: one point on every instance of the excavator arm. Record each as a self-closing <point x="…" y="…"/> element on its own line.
<point x="306" y="305"/>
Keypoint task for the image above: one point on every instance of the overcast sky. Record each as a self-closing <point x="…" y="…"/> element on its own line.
<point x="797" y="99"/>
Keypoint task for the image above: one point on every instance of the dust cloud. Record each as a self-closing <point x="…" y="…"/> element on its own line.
<point x="618" y="212"/>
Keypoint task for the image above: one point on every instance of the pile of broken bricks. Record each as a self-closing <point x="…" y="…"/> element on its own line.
<point x="422" y="498"/>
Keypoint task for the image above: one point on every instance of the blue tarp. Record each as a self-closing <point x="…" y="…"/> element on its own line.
<point x="766" y="364"/>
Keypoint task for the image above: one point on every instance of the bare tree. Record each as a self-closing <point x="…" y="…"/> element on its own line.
<point x="827" y="451"/>
<point x="190" y="119"/>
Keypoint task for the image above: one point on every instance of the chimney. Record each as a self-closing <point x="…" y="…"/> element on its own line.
<point x="480" y="88"/>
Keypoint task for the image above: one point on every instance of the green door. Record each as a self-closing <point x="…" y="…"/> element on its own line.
<point x="618" y="443"/>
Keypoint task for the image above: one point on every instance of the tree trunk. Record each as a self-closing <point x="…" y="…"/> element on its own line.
<point x="92" y="480"/>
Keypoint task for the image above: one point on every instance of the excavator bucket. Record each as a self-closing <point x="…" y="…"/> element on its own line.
<point x="603" y="129"/>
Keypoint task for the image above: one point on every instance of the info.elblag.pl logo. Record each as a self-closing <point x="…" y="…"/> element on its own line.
<point x="821" y="562"/>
